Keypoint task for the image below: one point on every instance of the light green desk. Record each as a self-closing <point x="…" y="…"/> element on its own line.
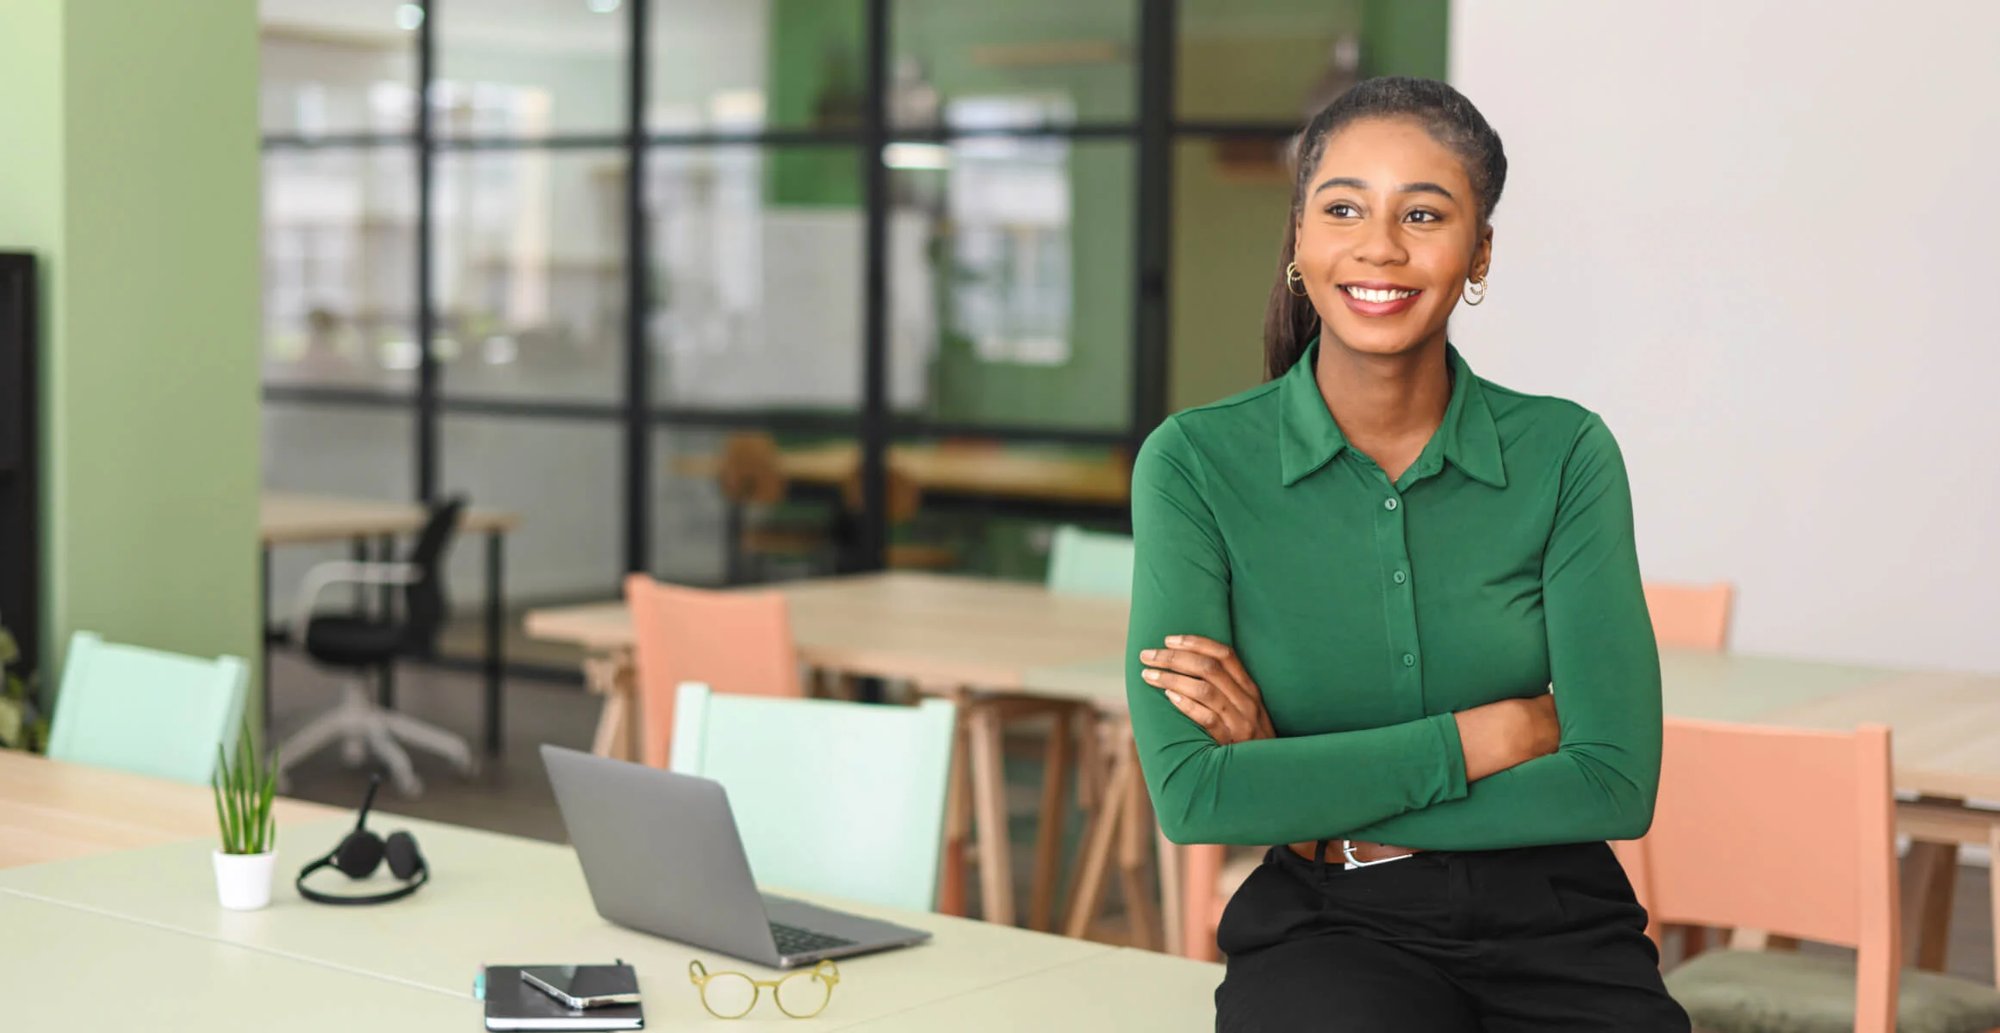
<point x="64" y="968"/>
<point x="1116" y="990"/>
<point x="498" y="899"/>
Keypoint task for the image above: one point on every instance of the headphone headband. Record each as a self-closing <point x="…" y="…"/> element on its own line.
<point x="363" y="852"/>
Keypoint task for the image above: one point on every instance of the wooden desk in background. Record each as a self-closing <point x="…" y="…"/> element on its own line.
<point x="973" y="471"/>
<point x="966" y="638"/>
<point x="293" y="519"/>
<point x="52" y="811"/>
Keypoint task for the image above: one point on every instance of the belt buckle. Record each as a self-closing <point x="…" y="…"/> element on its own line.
<point x="1352" y="862"/>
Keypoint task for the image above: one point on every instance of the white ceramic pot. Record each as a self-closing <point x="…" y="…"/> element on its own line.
<point x="243" y="881"/>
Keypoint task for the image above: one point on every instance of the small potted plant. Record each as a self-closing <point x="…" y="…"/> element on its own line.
<point x="244" y="787"/>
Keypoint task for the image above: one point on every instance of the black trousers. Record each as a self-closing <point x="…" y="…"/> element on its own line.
<point x="1501" y="941"/>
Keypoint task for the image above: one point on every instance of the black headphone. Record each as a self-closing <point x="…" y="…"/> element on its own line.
<point x="360" y="852"/>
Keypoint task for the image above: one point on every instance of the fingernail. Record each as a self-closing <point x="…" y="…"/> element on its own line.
<point x="1148" y="654"/>
<point x="1175" y="640"/>
<point x="1173" y="696"/>
<point x="1152" y="676"/>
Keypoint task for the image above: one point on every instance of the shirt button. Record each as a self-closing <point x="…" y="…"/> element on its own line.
<point x="1388" y="503"/>
<point x="1409" y="660"/>
<point x="1400" y="577"/>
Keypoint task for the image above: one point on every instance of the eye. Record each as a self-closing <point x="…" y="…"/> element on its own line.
<point x="1422" y="215"/>
<point x="1342" y="210"/>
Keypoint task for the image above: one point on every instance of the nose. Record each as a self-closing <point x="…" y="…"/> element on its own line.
<point x="1381" y="244"/>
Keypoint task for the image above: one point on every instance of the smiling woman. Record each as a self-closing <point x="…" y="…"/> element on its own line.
<point x="1354" y="587"/>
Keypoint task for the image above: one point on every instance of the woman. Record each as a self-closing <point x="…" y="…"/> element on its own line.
<point x="1355" y="587"/>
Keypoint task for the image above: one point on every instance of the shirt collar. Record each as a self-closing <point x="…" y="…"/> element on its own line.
<point x="1308" y="437"/>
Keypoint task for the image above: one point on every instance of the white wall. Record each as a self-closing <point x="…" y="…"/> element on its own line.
<point x="1763" y="239"/>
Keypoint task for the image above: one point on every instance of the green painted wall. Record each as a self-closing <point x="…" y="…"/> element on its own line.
<point x="132" y="171"/>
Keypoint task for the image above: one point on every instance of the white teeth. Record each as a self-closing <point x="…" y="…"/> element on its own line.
<point x="1367" y="294"/>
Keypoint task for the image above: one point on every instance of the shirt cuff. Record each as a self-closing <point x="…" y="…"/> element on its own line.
<point x="1452" y="775"/>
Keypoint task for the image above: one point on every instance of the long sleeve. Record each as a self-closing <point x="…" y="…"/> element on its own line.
<point x="1605" y="668"/>
<point x="1272" y="790"/>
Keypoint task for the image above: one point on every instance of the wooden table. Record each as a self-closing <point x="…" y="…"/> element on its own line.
<point x="952" y="636"/>
<point x="51" y="811"/>
<point x="972" y="471"/>
<point x="288" y="518"/>
<point x="499" y="899"/>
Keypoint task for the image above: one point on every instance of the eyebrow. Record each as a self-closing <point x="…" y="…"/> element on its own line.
<point x="1420" y="187"/>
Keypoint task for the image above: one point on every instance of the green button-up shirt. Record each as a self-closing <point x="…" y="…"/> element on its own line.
<point x="1501" y="563"/>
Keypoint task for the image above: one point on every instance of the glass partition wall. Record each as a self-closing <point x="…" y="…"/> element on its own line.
<point x="628" y="260"/>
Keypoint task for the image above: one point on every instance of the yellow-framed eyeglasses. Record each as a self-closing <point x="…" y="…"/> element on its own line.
<point x="731" y="995"/>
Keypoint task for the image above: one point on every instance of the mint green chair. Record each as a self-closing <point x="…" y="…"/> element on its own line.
<point x="145" y="711"/>
<point x="1090" y="563"/>
<point x="845" y="799"/>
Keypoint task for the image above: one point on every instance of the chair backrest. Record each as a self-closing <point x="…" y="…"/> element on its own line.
<point x="1786" y="830"/>
<point x="1090" y="563"/>
<point x="839" y="798"/>
<point x="145" y="711"/>
<point x="737" y="642"/>
<point x="425" y="604"/>
<point x="1690" y="616"/>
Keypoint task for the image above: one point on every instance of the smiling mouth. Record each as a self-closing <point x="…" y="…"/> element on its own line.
<point x="1376" y="295"/>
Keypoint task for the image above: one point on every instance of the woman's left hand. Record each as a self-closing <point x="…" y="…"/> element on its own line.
<point x="1205" y="680"/>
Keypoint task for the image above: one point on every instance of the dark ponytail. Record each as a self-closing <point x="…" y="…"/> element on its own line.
<point x="1290" y="321"/>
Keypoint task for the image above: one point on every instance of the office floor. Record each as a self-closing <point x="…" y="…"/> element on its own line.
<point x="511" y="795"/>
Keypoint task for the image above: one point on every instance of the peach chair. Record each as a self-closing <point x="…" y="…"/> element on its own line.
<point x="1791" y="831"/>
<point x="1690" y="616"/>
<point x="736" y="642"/>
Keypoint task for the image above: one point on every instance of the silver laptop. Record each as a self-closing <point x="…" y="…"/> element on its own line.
<point x="661" y="854"/>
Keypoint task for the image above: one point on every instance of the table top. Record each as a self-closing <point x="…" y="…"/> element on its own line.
<point x="497" y="899"/>
<point x="71" y="969"/>
<point x="51" y="811"/>
<point x="930" y="628"/>
<point x="289" y="518"/>
<point x="977" y="470"/>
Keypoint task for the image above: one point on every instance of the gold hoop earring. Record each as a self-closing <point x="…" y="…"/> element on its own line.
<point x="1294" y="280"/>
<point x="1475" y="291"/>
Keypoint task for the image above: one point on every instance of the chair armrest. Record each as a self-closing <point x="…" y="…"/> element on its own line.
<point x="345" y="572"/>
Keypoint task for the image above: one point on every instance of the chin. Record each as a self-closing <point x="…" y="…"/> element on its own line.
<point x="1377" y="339"/>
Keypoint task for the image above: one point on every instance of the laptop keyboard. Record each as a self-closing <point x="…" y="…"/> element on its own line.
<point x="793" y="940"/>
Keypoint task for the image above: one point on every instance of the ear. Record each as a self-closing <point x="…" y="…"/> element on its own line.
<point x="1482" y="253"/>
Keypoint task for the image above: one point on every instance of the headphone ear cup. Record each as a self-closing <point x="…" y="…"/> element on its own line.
<point x="404" y="858"/>
<point x="358" y="854"/>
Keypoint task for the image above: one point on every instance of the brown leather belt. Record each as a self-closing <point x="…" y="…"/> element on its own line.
<point x="1339" y="850"/>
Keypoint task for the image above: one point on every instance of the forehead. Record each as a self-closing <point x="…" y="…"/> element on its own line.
<point x="1387" y="151"/>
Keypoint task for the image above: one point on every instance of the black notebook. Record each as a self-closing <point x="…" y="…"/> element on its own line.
<point x="513" y="1004"/>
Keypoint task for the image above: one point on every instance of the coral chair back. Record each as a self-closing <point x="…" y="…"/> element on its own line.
<point x="735" y="642"/>
<point x="1786" y="830"/>
<point x="1691" y="616"/>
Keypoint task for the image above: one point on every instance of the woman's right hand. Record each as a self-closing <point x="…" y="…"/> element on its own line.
<point x="1507" y="732"/>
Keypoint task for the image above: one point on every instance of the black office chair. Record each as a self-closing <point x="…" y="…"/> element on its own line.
<point x="360" y="644"/>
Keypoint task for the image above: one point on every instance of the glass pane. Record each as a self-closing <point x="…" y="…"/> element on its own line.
<point x="349" y="67"/>
<point x="756" y="277"/>
<point x="970" y="63"/>
<point x="530" y="266"/>
<point x="340" y="267"/>
<point x="561" y="477"/>
<point x="343" y="451"/>
<point x="530" y="68"/>
<point x="977" y="501"/>
<point x="1011" y="279"/>
<point x="747" y="65"/>
<point x="1232" y="196"/>
<point x="788" y="511"/>
<point x="1265" y="60"/>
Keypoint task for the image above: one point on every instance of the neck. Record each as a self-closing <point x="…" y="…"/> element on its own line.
<point x="1385" y="401"/>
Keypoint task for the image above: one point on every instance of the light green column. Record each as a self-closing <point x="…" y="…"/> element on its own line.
<point x="131" y="171"/>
